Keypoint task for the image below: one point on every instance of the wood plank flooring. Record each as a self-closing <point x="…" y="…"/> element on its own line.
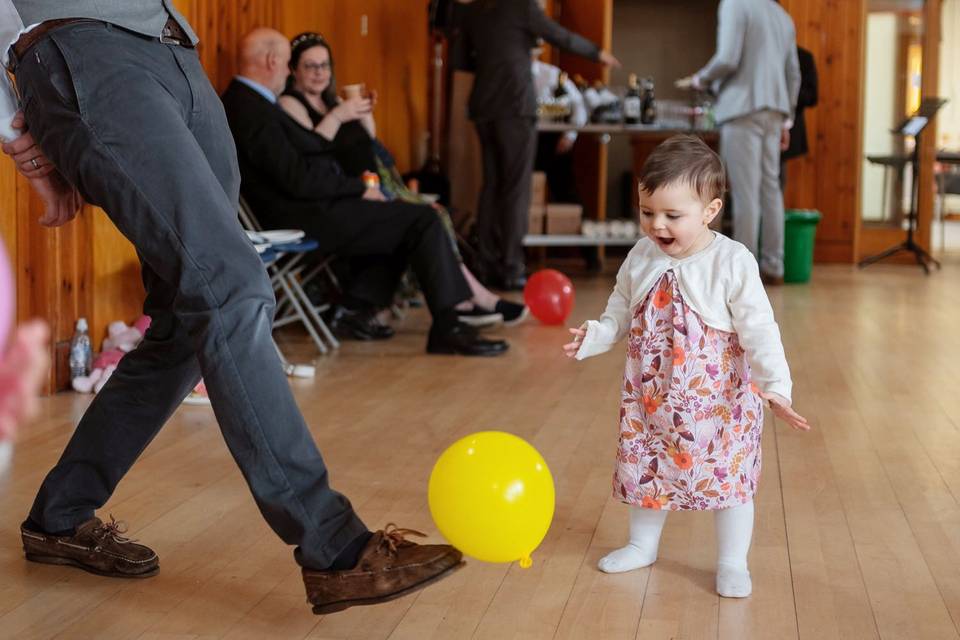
<point x="858" y="522"/>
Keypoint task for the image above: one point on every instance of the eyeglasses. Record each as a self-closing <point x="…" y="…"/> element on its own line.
<point x="314" y="67"/>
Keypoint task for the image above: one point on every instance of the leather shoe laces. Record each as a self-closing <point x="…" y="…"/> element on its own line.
<point x="394" y="538"/>
<point x="114" y="529"/>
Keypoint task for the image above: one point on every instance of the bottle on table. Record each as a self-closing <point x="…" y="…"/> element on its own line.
<point x="562" y="98"/>
<point x="81" y="353"/>
<point x="632" y="103"/>
<point x="648" y="114"/>
<point x="607" y="97"/>
<point x="590" y="96"/>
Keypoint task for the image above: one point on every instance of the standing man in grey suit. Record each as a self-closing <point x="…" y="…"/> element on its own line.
<point x="757" y="78"/>
<point x="495" y="39"/>
<point x="119" y="110"/>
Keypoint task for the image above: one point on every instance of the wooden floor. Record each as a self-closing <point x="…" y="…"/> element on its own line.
<point x="858" y="522"/>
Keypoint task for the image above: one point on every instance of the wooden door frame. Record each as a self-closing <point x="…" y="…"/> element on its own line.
<point x="872" y="239"/>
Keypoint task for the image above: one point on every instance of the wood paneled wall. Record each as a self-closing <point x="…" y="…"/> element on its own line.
<point x="875" y="238"/>
<point x="88" y="269"/>
<point x="828" y="178"/>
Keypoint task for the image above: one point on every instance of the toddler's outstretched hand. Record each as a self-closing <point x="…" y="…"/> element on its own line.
<point x="571" y="348"/>
<point x="781" y="407"/>
<point x="22" y="370"/>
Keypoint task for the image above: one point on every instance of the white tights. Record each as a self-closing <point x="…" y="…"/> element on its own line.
<point x="734" y="532"/>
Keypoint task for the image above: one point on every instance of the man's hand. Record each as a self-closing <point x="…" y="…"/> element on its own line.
<point x="609" y="59"/>
<point x="565" y="144"/>
<point x="61" y="199"/>
<point x="784" y="139"/>
<point x="25" y="153"/>
<point x="374" y="193"/>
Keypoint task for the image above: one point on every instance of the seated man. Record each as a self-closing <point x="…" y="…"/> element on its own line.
<point x="291" y="179"/>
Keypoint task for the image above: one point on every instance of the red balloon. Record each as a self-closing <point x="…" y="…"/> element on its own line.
<point x="549" y="295"/>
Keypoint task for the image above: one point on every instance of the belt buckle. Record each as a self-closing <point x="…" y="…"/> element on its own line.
<point x="167" y="36"/>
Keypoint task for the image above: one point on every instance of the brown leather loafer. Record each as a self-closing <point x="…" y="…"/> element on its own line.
<point x="389" y="567"/>
<point x="95" y="547"/>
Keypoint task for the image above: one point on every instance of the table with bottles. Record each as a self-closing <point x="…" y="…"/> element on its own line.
<point x="633" y="111"/>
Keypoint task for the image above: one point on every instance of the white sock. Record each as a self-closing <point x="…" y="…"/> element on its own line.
<point x="734" y="532"/>
<point x="645" y="528"/>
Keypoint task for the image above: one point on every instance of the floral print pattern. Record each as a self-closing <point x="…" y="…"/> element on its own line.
<point x="690" y="420"/>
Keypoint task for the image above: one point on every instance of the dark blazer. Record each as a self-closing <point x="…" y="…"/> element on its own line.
<point x="807" y="98"/>
<point x="285" y="170"/>
<point x="494" y="39"/>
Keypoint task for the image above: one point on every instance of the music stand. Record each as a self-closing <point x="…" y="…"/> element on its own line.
<point x="912" y="126"/>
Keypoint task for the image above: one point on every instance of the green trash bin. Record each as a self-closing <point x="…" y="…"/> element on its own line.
<point x="801" y="229"/>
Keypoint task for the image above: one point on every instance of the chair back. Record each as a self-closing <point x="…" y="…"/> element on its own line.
<point x="247" y="218"/>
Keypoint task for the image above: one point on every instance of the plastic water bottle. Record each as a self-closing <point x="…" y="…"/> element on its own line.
<point x="81" y="355"/>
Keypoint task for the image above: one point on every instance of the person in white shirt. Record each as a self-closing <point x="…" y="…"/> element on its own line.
<point x="703" y="353"/>
<point x="756" y="75"/>
<point x="554" y="149"/>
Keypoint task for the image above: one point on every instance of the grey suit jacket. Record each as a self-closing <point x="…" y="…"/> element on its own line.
<point x="755" y="66"/>
<point x="143" y="16"/>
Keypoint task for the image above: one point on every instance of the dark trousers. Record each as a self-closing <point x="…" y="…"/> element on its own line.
<point x="387" y="237"/>
<point x="136" y="126"/>
<point x="508" y="147"/>
<point x="558" y="167"/>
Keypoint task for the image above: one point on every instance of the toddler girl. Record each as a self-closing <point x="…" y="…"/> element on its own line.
<point x="703" y="353"/>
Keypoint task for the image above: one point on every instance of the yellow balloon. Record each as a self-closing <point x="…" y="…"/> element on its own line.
<point x="491" y="495"/>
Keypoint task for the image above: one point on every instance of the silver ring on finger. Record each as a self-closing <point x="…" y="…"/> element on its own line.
<point x="33" y="161"/>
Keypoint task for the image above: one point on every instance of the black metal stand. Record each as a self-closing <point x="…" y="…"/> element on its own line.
<point x="927" y="110"/>
<point x="923" y="258"/>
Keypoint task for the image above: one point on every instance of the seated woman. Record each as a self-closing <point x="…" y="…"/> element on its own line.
<point x="311" y="99"/>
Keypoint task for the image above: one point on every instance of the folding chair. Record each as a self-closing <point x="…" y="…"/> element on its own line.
<point x="293" y="304"/>
<point x="269" y="257"/>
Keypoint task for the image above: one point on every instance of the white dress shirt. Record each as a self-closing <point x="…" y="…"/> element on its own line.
<point x="721" y="284"/>
<point x="545" y="78"/>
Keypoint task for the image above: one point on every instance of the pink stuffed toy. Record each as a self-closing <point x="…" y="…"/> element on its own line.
<point x="121" y="339"/>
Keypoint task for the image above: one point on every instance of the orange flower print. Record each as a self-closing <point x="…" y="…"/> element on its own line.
<point x="661" y="298"/>
<point x="683" y="460"/>
<point x="649" y="503"/>
<point x="679" y="357"/>
<point x="754" y="388"/>
<point x="650" y="405"/>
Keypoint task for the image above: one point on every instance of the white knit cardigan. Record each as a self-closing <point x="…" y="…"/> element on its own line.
<point x="721" y="283"/>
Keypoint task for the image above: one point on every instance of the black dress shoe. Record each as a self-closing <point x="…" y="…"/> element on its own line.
<point x="351" y="324"/>
<point x="465" y="341"/>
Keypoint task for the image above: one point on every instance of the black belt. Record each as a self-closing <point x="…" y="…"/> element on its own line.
<point x="172" y="33"/>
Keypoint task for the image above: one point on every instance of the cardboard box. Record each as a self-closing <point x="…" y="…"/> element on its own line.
<point x="538" y="187"/>
<point x="564" y="219"/>
<point x="538" y="214"/>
